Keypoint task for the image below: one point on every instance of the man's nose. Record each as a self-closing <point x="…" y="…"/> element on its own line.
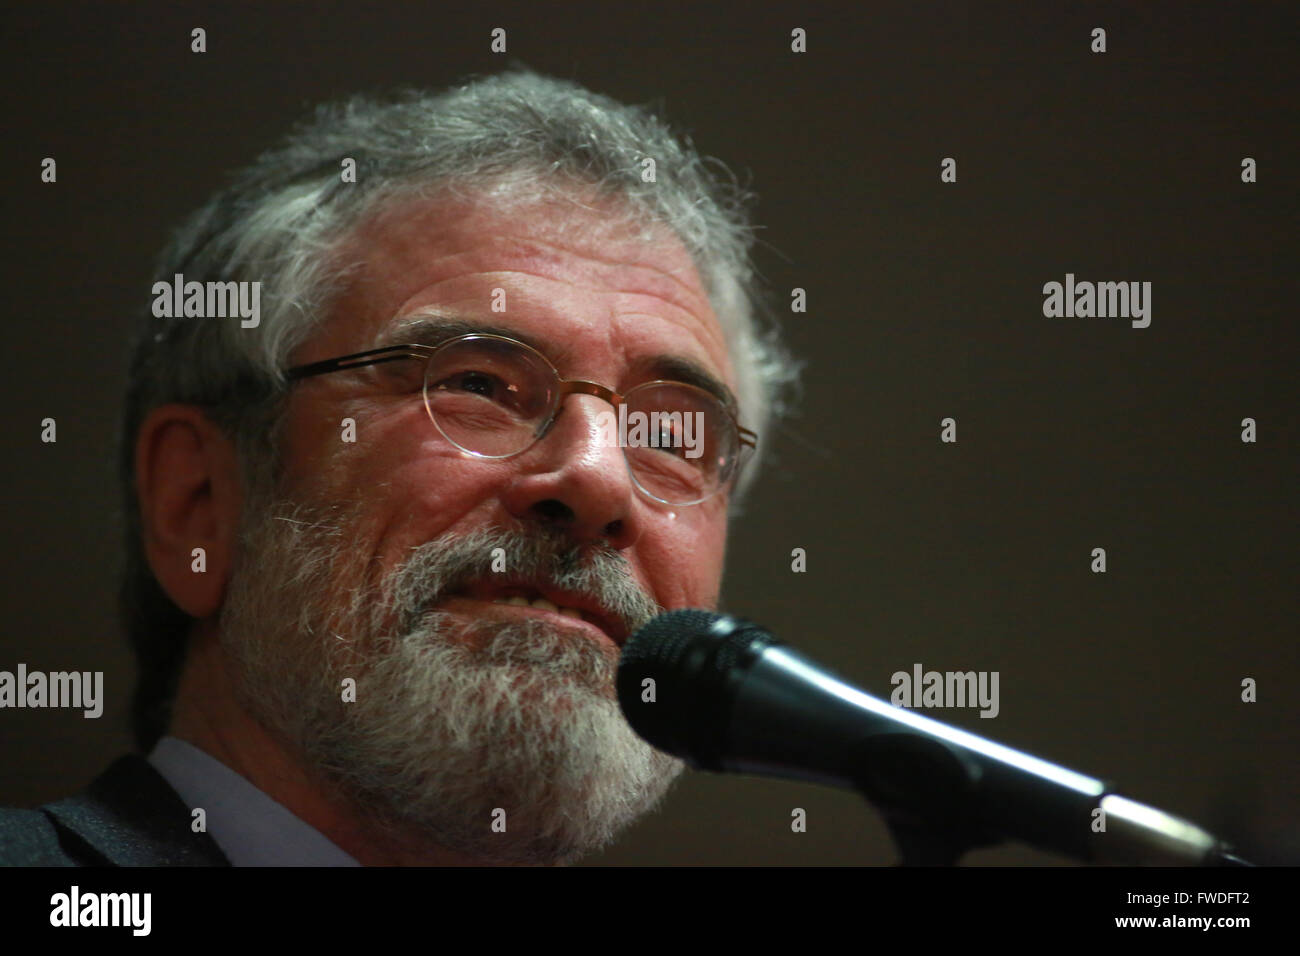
<point x="576" y="479"/>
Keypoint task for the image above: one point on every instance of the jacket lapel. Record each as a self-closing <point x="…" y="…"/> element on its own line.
<point x="130" y="816"/>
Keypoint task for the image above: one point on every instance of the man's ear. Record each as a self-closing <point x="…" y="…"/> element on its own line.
<point x="188" y="488"/>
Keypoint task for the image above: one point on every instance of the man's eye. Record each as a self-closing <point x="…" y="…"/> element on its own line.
<point x="474" y="383"/>
<point x="484" y="384"/>
<point x="477" y="382"/>
<point x="671" y="440"/>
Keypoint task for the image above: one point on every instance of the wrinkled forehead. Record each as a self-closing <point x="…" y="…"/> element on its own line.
<point x="410" y="241"/>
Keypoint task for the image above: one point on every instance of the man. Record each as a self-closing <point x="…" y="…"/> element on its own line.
<point x="382" y="549"/>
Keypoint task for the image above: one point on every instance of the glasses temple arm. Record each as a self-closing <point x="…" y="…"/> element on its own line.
<point x="390" y="353"/>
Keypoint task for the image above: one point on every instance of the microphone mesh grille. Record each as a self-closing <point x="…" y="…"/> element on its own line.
<point x="661" y="644"/>
<point x="691" y="656"/>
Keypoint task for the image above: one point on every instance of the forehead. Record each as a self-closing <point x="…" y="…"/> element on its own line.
<point x="568" y="271"/>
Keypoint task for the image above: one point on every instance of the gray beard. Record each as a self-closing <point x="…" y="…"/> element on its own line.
<point x="505" y="744"/>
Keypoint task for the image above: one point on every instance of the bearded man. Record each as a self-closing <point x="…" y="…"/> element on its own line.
<point x="382" y="552"/>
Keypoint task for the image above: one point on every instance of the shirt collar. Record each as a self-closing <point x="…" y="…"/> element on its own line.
<point x="250" y="827"/>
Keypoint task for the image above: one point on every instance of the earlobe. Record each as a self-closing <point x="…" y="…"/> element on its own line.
<point x="188" y="490"/>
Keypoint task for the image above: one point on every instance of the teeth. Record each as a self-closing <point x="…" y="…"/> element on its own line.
<point x="539" y="603"/>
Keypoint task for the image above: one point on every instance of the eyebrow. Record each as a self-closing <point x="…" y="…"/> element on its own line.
<point x="434" y="329"/>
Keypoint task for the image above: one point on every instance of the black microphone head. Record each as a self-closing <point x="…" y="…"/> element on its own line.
<point x="677" y="676"/>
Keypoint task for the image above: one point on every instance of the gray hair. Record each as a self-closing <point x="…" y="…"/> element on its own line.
<point x="282" y="219"/>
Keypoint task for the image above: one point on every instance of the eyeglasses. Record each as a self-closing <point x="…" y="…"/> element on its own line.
<point x="495" y="397"/>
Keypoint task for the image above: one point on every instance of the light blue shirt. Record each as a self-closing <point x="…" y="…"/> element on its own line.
<point x="250" y="828"/>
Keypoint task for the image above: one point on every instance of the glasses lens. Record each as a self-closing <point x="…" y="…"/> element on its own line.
<point x="681" y="444"/>
<point x="488" y="396"/>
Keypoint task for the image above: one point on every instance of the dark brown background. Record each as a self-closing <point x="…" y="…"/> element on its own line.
<point x="924" y="302"/>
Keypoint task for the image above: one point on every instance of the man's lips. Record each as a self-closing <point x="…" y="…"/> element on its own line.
<point x="545" y="598"/>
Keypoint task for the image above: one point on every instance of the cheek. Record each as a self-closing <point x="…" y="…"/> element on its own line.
<point x="423" y="493"/>
<point x="684" y="562"/>
<point x="408" y="485"/>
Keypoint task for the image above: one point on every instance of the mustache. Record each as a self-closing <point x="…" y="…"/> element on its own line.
<point x="450" y="563"/>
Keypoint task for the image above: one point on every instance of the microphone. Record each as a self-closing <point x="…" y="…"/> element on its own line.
<point x="725" y="695"/>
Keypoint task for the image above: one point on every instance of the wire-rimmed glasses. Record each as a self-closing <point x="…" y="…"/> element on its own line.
<point x="494" y="397"/>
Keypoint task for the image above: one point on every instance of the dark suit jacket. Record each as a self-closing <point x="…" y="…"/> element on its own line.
<point x="129" y="816"/>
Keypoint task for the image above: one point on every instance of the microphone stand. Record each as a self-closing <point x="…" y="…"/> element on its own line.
<point x="922" y="788"/>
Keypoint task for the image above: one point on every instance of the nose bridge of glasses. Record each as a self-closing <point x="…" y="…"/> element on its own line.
<point x="567" y="387"/>
<point x="578" y="386"/>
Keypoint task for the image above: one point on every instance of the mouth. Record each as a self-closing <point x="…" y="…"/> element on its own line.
<point x="567" y="604"/>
